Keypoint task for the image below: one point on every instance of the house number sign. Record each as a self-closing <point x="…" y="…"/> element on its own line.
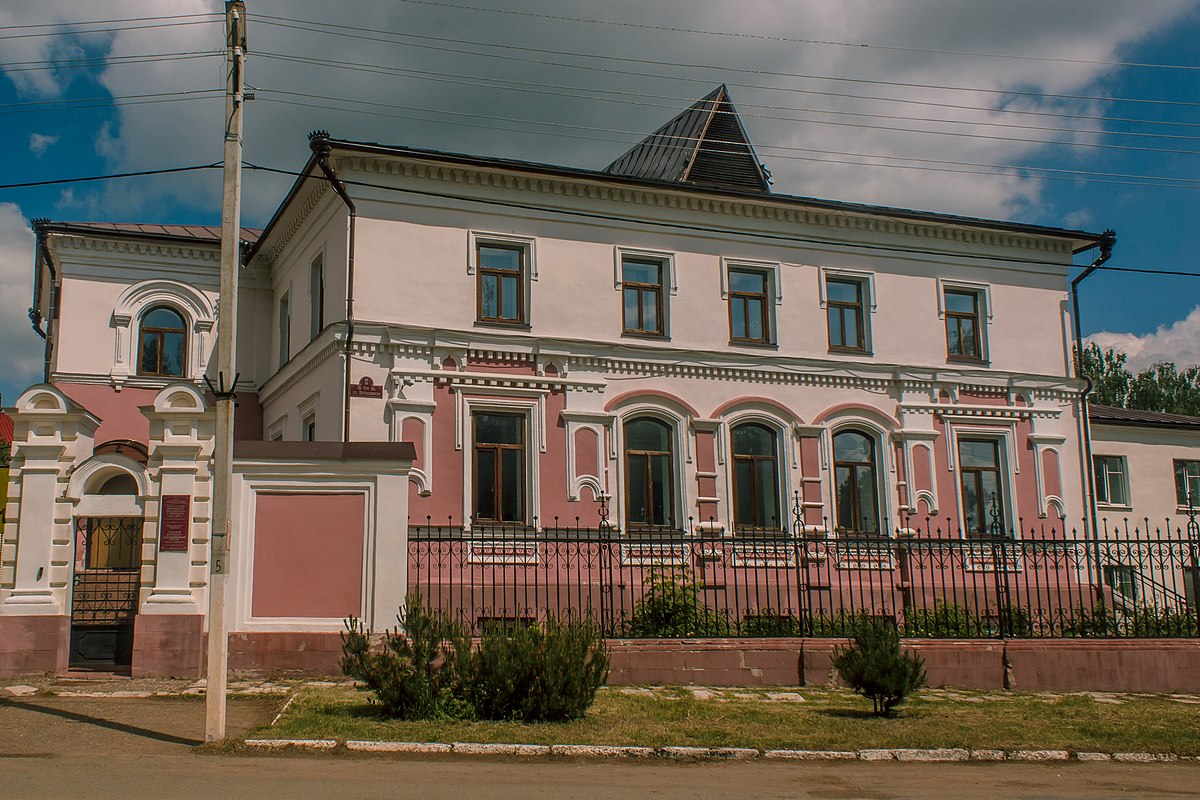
<point x="173" y="523"/>
<point x="366" y="388"/>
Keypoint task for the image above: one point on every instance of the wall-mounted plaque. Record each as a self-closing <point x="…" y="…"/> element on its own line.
<point x="366" y="388"/>
<point x="174" y="518"/>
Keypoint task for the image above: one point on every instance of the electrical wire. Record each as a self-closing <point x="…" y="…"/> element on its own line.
<point x="102" y="102"/>
<point x="109" y="30"/>
<point x="111" y="176"/>
<point x="114" y="21"/>
<point x="769" y="38"/>
<point x="105" y="61"/>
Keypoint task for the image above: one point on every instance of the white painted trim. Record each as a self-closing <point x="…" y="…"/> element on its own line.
<point x="680" y="429"/>
<point x="199" y="315"/>
<point x="770" y="267"/>
<point x="667" y="257"/>
<point x="534" y="409"/>
<point x="528" y="243"/>
<point x="1009" y="468"/>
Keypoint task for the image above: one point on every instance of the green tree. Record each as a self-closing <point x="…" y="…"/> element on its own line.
<point x="1108" y="374"/>
<point x="1162" y="387"/>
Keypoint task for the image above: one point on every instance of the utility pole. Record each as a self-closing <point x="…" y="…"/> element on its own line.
<point x="222" y="479"/>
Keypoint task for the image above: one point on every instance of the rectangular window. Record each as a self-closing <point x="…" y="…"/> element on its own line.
<point x="316" y="295"/>
<point x="308" y="428"/>
<point x="501" y="287"/>
<point x="285" y="327"/>
<point x="499" y="467"/>
<point x="1187" y="483"/>
<point x="963" y="334"/>
<point x="847" y="327"/>
<point x="641" y="286"/>
<point x="1109" y="474"/>
<point x="982" y="487"/>
<point x="749" y="306"/>
<point x="1122" y="579"/>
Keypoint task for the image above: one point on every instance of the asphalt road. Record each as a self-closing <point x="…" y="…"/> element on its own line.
<point x="144" y="748"/>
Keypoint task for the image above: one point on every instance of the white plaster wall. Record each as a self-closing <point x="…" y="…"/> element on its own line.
<point x="1150" y="454"/>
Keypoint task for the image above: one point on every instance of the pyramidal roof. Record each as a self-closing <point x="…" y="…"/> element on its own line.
<point x="706" y="145"/>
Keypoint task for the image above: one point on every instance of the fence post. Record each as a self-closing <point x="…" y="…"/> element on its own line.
<point x="604" y="535"/>
<point x="1193" y="534"/>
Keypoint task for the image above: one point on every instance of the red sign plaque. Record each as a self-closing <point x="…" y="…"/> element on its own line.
<point x="366" y="388"/>
<point x="174" y="517"/>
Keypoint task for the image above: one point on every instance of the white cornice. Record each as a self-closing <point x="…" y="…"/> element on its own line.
<point x="199" y="251"/>
<point x="768" y="208"/>
<point x="299" y="213"/>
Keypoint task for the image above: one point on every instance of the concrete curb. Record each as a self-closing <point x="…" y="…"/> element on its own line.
<point x="683" y="753"/>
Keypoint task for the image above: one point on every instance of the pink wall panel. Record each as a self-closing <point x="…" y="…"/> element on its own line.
<point x="413" y="430"/>
<point x="119" y="414"/>
<point x="706" y="461"/>
<point x="1050" y="473"/>
<point x="587" y="447"/>
<point x="554" y="469"/>
<point x="447" y="498"/>
<point x="308" y="555"/>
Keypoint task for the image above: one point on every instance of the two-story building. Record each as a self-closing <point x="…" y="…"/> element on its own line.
<point x="665" y="342"/>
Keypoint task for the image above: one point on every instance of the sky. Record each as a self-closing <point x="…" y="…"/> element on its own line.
<point x="1074" y="113"/>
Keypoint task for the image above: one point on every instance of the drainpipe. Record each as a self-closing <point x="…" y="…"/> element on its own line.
<point x="318" y="141"/>
<point x="35" y="314"/>
<point x="1107" y="240"/>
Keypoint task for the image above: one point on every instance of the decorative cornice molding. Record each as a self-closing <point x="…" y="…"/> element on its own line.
<point x="411" y="166"/>
<point x="299" y="214"/>
<point x="199" y="251"/>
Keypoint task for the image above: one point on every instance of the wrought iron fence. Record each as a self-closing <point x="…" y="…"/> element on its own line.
<point x="1132" y="580"/>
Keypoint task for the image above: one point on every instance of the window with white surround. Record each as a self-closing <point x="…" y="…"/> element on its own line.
<point x="316" y="296"/>
<point x="856" y="482"/>
<point x="755" y="452"/>
<point x="162" y="343"/>
<point x="965" y="308"/>
<point x="848" y="297"/>
<point x="983" y="484"/>
<point x="1187" y="483"/>
<point x="643" y="309"/>
<point x="500" y="456"/>
<point x="308" y="428"/>
<point x="649" y="473"/>
<point x="1112" y="480"/>
<point x="504" y="265"/>
<point x="752" y="291"/>
<point x="284" y="325"/>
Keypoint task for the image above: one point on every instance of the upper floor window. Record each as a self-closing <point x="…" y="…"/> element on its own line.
<point x="499" y="467"/>
<point x="964" y="335"/>
<point x="501" y="287"/>
<point x="982" y="486"/>
<point x="847" y="325"/>
<point x="649" y="474"/>
<point x="316" y="297"/>
<point x="749" y="306"/>
<point x="755" y="478"/>
<point x="162" y="343"/>
<point x="285" y="328"/>
<point x="1111" y="485"/>
<point x="1187" y="483"/>
<point x="642" y="291"/>
<point x="308" y="427"/>
<point x="856" y="482"/>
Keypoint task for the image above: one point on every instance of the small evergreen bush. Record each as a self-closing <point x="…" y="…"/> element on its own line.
<point x="672" y="607"/>
<point x="768" y="623"/>
<point x="421" y="668"/>
<point x="875" y="666"/>
<point x="534" y="674"/>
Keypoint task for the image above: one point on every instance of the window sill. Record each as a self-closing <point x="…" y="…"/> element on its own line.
<point x="1121" y="507"/>
<point x="657" y="337"/>
<point x="977" y="362"/>
<point x="502" y="324"/>
<point x="849" y="351"/>
<point x="752" y="343"/>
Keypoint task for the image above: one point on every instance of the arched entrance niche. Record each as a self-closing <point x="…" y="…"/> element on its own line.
<point x="109" y="492"/>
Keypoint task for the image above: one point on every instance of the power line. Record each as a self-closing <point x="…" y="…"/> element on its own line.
<point x="103" y="61"/>
<point x="765" y="37"/>
<point x="1054" y="173"/>
<point x="109" y="30"/>
<point x="61" y="105"/>
<point x="113" y="21"/>
<point x="111" y="176"/>
<point x="706" y="228"/>
<point x="325" y="28"/>
<point x="573" y="91"/>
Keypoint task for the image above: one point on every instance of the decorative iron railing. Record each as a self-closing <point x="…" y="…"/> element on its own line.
<point x="1036" y="581"/>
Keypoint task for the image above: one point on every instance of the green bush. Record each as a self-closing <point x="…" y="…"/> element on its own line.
<point x="421" y="668"/>
<point x="840" y="624"/>
<point x="944" y="621"/>
<point x="427" y="669"/>
<point x="1151" y="622"/>
<point x="1091" y="623"/>
<point x="768" y="623"/>
<point x="671" y="607"/>
<point x="538" y="674"/>
<point x="875" y="666"/>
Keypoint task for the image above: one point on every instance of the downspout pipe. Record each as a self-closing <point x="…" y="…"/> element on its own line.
<point x="1108" y="240"/>
<point x="42" y="248"/>
<point x="318" y="142"/>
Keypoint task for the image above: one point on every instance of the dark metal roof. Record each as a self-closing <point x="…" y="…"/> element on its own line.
<point x="1112" y="415"/>
<point x="705" y="145"/>
<point x="199" y="233"/>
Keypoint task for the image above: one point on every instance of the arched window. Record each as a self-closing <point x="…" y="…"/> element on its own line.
<point x="755" y="478"/>
<point x="649" y="474"/>
<point x="856" y="482"/>
<point x="162" y="343"/>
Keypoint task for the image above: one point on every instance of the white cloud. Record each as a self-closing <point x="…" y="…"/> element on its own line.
<point x="1178" y="342"/>
<point x="39" y="143"/>
<point x="21" y="363"/>
<point x="779" y="111"/>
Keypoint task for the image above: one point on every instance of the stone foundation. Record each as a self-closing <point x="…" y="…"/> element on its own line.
<point x="32" y="645"/>
<point x="168" y="645"/>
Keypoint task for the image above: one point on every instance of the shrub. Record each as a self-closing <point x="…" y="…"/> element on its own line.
<point x="840" y="624"/>
<point x="875" y="667"/>
<point x="768" y="623"/>
<point x="672" y="607"/>
<point x="534" y="674"/>
<point x="944" y="621"/>
<point x="1094" y="623"/>
<point x="421" y="668"/>
<point x="1152" y="622"/>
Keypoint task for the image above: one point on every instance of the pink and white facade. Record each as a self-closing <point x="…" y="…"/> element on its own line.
<point x="473" y="343"/>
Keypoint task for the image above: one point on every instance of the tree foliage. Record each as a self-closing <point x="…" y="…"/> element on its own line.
<point x="1160" y="387"/>
<point x="875" y="666"/>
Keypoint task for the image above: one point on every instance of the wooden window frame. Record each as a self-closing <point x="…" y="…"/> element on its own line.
<point x="763" y="297"/>
<point x="1182" y="502"/>
<point x="1101" y="471"/>
<point x="955" y="317"/>
<point x="316" y="292"/>
<point x="522" y="289"/>
<point x="982" y="508"/>
<point x="856" y="507"/>
<point x="284" y="325"/>
<point x="759" y="512"/>
<point x="646" y="454"/>
<point x="159" y="335"/>
<point x="495" y="451"/>
<point x="832" y="305"/>
<point x="641" y="287"/>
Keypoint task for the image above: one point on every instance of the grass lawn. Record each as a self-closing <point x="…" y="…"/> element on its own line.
<point x="826" y="720"/>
